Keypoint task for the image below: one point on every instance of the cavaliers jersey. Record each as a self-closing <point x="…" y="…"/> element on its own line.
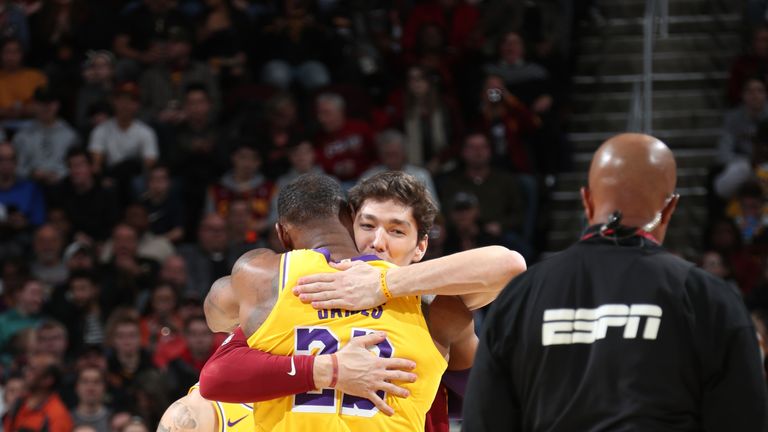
<point x="231" y="417"/>
<point x="296" y="328"/>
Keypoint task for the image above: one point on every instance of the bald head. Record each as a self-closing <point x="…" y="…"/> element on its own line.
<point x="633" y="173"/>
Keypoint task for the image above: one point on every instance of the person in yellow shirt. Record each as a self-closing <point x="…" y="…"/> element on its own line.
<point x="17" y="83"/>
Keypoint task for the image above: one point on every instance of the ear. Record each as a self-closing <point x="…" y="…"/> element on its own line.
<point x="284" y="236"/>
<point x="421" y="249"/>
<point x="666" y="212"/>
<point x="586" y="202"/>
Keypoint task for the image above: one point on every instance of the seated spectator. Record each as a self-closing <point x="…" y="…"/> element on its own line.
<point x="14" y="389"/>
<point x="17" y="84"/>
<point x="151" y="246"/>
<point x="210" y="258"/>
<point x="184" y="369"/>
<point x="345" y="146"/>
<point x="14" y="272"/>
<point x="173" y="272"/>
<point x="465" y="231"/>
<point x="223" y="35"/>
<point x="19" y="199"/>
<point x="724" y="237"/>
<point x="42" y="408"/>
<point x="123" y="146"/>
<point x="735" y="150"/>
<point x="25" y="313"/>
<point x="244" y="182"/>
<point x="456" y="18"/>
<point x="15" y="25"/>
<point x="508" y="122"/>
<point x="302" y="157"/>
<point x="48" y="265"/>
<point x="714" y="263"/>
<point x="140" y="33"/>
<point x="42" y="144"/>
<point x="526" y="80"/>
<point x="91" y="395"/>
<point x="79" y="257"/>
<point x="53" y="339"/>
<point x="296" y="47"/>
<point x="750" y="213"/>
<point x="242" y="228"/>
<point x="91" y="208"/>
<point x="126" y="360"/>
<point x="499" y="195"/>
<point x="127" y="277"/>
<point x="78" y="307"/>
<point x="391" y="144"/>
<point x="431" y="121"/>
<point x="163" y="85"/>
<point x="282" y="128"/>
<point x="749" y="65"/>
<point x="160" y="324"/>
<point x="163" y="205"/>
<point x="97" y="88"/>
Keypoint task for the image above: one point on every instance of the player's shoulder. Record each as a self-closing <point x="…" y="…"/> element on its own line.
<point x="255" y="258"/>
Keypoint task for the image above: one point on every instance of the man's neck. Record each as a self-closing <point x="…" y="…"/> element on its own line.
<point x="7" y="182"/>
<point x="124" y="122"/>
<point x="478" y="172"/>
<point x="88" y="409"/>
<point x="48" y="122"/>
<point x="84" y="186"/>
<point x="337" y="240"/>
<point x="37" y="397"/>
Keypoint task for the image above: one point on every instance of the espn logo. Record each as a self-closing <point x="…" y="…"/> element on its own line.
<point x="585" y="326"/>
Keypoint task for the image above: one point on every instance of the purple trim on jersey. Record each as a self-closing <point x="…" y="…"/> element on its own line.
<point x="327" y="254"/>
<point x="285" y="268"/>
<point x="247" y="406"/>
<point x="223" y="416"/>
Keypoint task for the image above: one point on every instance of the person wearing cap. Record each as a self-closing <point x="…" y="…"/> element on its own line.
<point x="42" y="144"/>
<point x="163" y="85"/>
<point x="124" y="146"/>
<point x="465" y="231"/>
<point x="616" y="333"/>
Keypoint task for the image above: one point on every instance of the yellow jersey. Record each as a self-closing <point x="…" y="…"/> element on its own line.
<point x="231" y="417"/>
<point x="296" y="328"/>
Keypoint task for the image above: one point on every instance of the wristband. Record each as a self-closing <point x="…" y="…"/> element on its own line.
<point x="335" y="376"/>
<point x="384" y="287"/>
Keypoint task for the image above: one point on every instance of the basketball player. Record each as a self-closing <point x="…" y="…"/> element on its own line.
<point x="193" y="413"/>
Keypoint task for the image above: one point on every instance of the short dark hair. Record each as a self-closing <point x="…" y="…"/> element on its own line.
<point x="78" y="151"/>
<point x="83" y="274"/>
<point x="196" y="86"/>
<point x="402" y="188"/>
<point x="309" y="198"/>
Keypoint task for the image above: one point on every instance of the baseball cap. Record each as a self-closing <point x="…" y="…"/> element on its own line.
<point x="464" y="200"/>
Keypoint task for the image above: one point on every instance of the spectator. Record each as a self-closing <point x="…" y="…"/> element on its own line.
<point x="91" y="391"/>
<point x="184" y="369"/>
<point x="90" y="207"/>
<point x="42" y="144"/>
<point x="281" y="129"/>
<point x="243" y="182"/>
<point x="52" y="339"/>
<point x="174" y="273"/>
<point x="123" y="146"/>
<point x="79" y="257"/>
<point x="465" y="231"/>
<point x="507" y="121"/>
<point x="41" y="409"/>
<point x="56" y="24"/>
<point x="735" y="149"/>
<point x="160" y="324"/>
<point x="164" y="84"/>
<point x="126" y="360"/>
<point x="222" y="35"/>
<point x="14" y="273"/>
<point x="28" y="302"/>
<point x="302" y="157"/>
<point x="15" y="24"/>
<point x="749" y="212"/>
<point x="48" y="266"/>
<point x="152" y="247"/>
<point x="724" y="237"/>
<point x="241" y="227"/>
<point x="21" y="201"/>
<point x="713" y="263"/>
<point x="14" y="389"/>
<point x="78" y="307"/>
<point x="210" y="258"/>
<point x="391" y="144"/>
<point x="345" y="146"/>
<point x="17" y="83"/>
<point x="163" y="205"/>
<point x="752" y="64"/>
<point x="126" y="278"/>
<point x="140" y="33"/>
<point x="97" y="88"/>
<point x="296" y="47"/>
<point x="456" y="18"/>
<point x="501" y="202"/>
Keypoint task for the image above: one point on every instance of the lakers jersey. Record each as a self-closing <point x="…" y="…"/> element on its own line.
<point x="231" y="417"/>
<point x="296" y="328"/>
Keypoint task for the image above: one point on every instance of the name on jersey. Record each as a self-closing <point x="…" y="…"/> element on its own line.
<point x="374" y="313"/>
<point x="586" y="326"/>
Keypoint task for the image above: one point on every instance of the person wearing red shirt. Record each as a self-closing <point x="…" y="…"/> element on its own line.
<point x="42" y="409"/>
<point x="457" y="19"/>
<point x="345" y="146"/>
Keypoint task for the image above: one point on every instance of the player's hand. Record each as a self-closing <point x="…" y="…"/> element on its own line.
<point x="362" y="374"/>
<point x="356" y="287"/>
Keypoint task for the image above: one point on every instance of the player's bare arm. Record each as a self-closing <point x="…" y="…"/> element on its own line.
<point x="255" y="287"/>
<point x="452" y="328"/>
<point x="476" y="275"/>
<point x="191" y="413"/>
<point x="221" y="307"/>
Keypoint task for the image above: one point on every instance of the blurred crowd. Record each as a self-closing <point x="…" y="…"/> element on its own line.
<point x="142" y="144"/>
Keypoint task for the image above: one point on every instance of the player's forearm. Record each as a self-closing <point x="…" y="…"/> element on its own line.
<point x="484" y="270"/>
<point x="237" y="373"/>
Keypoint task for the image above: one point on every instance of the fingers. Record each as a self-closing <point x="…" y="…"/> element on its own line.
<point x="320" y="277"/>
<point x="399" y="364"/>
<point x="396" y="375"/>
<point x="333" y="304"/>
<point x="380" y="404"/>
<point x="394" y="390"/>
<point x="369" y="340"/>
<point x="345" y="265"/>
<point x="312" y="288"/>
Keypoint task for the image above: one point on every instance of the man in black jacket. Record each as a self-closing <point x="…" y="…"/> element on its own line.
<point x="615" y="333"/>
